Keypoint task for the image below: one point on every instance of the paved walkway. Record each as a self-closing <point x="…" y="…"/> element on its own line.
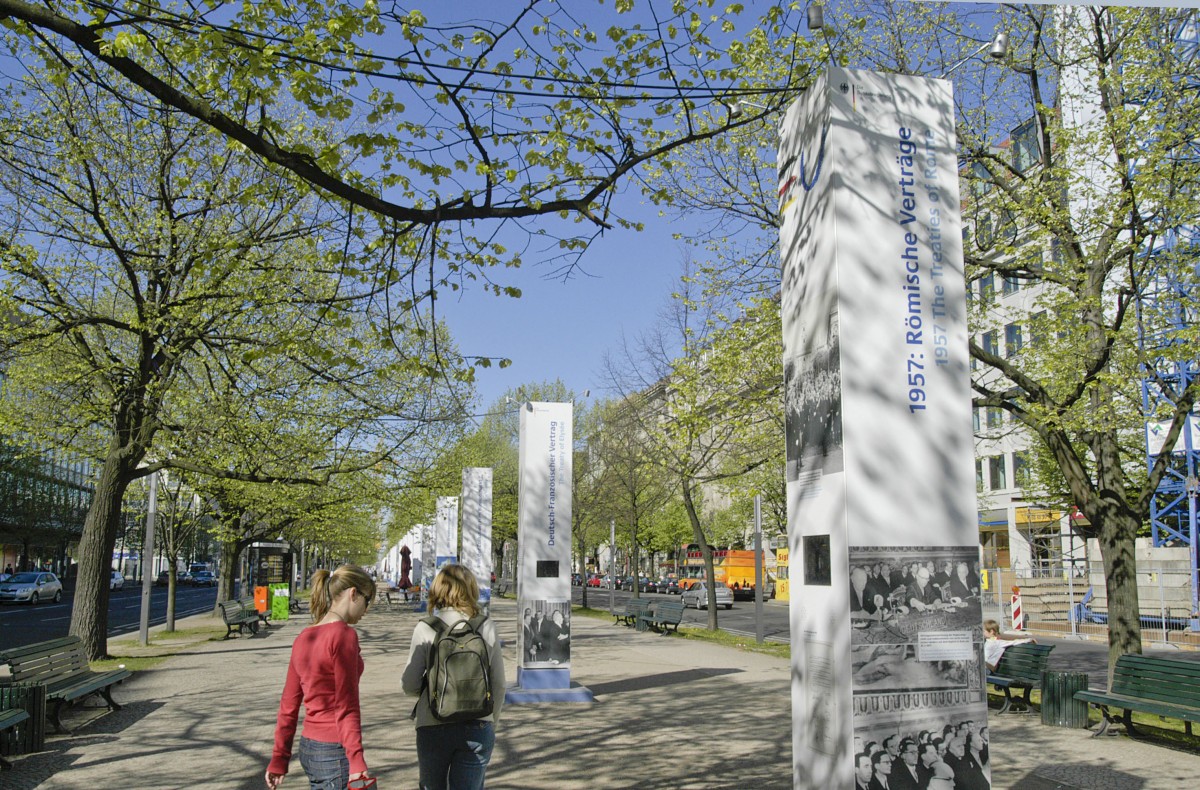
<point x="669" y="713"/>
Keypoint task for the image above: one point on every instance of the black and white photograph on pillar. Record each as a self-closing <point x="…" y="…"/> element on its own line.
<point x="916" y="654"/>
<point x="813" y="398"/>
<point x="545" y="634"/>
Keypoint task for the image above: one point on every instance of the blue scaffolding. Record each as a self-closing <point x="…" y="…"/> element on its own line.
<point x="1174" y="298"/>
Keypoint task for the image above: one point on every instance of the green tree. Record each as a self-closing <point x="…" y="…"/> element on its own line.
<point x="169" y="304"/>
<point x="449" y="128"/>
<point x="1098" y="107"/>
<point x="692" y="410"/>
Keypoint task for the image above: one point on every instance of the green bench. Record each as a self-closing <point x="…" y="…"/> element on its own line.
<point x="1168" y="687"/>
<point x="236" y="617"/>
<point x="664" y="617"/>
<point x="634" y="608"/>
<point x="248" y="605"/>
<point x="8" y="720"/>
<point x="1021" y="667"/>
<point x="62" y="667"/>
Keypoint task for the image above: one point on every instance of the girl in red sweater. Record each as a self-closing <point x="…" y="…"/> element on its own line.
<point x="323" y="674"/>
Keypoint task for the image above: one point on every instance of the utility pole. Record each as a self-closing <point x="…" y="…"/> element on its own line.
<point x="147" y="563"/>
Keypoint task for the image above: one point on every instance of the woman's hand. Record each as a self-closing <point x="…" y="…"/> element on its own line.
<point x="274" y="780"/>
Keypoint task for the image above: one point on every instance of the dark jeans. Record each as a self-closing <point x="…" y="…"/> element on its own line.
<point x="325" y="764"/>
<point x="455" y="756"/>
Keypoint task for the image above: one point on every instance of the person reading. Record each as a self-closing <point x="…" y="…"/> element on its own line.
<point x="995" y="643"/>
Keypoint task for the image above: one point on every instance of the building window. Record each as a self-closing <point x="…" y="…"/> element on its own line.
<point x="975" y="419"/>
<point x="1021" y="471"/>
<point x="996" y="476"/>
<point x="1026" y="151"/>
<point x="983" y="231"/>
<point x="981" y="181"/>
<point x="1037" y="328"/>
<point x="987" y="289"/>
<point x="995" y="416"/>
<point x="978" y="474"/>
<point x="1009" y="285"/>
<point x="1012" y="339"/>
<point x="989" y="343"/>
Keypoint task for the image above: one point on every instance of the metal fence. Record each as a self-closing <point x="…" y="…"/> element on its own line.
<point x="1072" y="599"/>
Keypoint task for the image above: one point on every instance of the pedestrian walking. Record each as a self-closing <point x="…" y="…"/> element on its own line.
<point x="323" y="675"/>
<point x="453" y="755"/>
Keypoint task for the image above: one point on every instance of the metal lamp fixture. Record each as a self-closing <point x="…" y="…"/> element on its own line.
<point x="997" y="50"/>
<point x="816" y="16"/>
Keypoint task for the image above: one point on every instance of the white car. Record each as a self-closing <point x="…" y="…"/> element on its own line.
<point x="697" y="595"/>
<point x="116" y="580"/>
<point x="31" y="587"/>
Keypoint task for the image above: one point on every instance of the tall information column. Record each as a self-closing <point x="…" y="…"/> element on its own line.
<point x="477" y="528"/>
<point x="544" y="557"/>
<point x="446" y="542"/>
<point x="880" y="485"/>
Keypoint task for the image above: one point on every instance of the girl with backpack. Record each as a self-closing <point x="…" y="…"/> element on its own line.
<point x="454" y="748"/>
<point x="323" y="674"/>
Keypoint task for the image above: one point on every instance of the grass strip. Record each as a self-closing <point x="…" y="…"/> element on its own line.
<point x="718" y="637"/>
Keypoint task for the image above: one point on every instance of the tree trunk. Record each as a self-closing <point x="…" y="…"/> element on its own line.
<point x="689" y="504"/>
<point x="89" y="615"/>
<point x="231" y="550"/>
<point x="1116" y="536"/>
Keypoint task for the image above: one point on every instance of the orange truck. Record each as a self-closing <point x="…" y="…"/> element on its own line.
<point x="735" y="567"/>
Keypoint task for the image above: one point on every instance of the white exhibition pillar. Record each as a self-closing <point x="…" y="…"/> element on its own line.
<point x="880" y="472"/>
<point x="544" y="556"/>
<point x="446" y="540"/>
<point x="477" y="528"/>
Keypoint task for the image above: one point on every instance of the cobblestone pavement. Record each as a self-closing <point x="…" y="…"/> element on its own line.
<point x="668" y="713"/>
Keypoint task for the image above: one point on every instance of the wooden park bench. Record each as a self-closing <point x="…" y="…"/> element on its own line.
<point x="1168" y="687"/>
<point x="236" y="617"/>
<point x="1020" y="666"/>
<point x="634" y="607"/>
<point x="62" y="667"/>
<point x="248" y="604"/>
<point x="8" y="720"/>
<point x="663" y="617"/>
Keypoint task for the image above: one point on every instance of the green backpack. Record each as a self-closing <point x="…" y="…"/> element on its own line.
<point x="458" y="671"/>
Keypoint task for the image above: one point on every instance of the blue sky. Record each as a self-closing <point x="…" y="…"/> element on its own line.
<point x="563" y="329"/>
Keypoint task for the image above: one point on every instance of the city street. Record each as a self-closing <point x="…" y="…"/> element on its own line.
<point x="22" y="624"/>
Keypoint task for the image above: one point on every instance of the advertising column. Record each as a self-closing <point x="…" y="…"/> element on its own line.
<point x="477" y="528"/>
<point x="883" y="548"/>
<point x="544" y="562"/>
<point x="446" y="542"/>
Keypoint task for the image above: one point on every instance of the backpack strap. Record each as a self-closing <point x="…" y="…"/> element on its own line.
<point x="439" y="627"/>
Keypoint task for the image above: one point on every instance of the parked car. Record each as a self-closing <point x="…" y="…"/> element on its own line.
<point x="204" y="579"/>
<point x="116" y="580"/>
<point x="668" y="585"/>
<point x="163" y="579"/>
<point x="576" y="579"/>
<point x="697" y="595"/>
<point x="32" y="586"/>
<point x="5" y="577"/>
<point x="649" y="585"/>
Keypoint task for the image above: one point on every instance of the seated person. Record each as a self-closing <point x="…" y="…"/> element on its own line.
<point x="864" y="601"/>
<point x="995" y="643"/>
<point x="921" y="595"/>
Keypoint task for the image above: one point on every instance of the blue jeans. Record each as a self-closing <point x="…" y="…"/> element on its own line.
<point x="455" y="756"/>
<point x="325" y="764"/>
